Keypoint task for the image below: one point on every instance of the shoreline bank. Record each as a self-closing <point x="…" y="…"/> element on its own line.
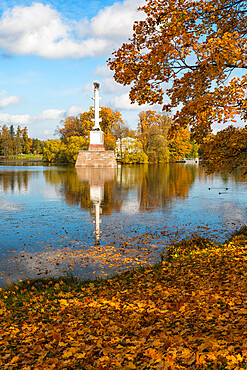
<point x="187" y="311"/>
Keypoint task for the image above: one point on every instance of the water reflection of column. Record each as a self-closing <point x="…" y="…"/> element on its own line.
<point x="96" y="196"/>
<point x="97" y="223"/>
<point x="96" y="177"/>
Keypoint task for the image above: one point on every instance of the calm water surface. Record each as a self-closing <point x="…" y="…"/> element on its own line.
<point x="93" y="222"/>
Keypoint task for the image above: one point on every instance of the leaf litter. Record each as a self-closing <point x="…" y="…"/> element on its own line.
<point x="188" y="311"/>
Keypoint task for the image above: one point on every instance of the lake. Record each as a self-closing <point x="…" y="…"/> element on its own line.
<point x="95" y="222"/>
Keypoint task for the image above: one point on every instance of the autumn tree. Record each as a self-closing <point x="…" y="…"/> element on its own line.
<point x="226" y="145"/>
<point x="74" y="126"/>
<point x="121" y="131"/>
<point x="73" y="145"/>
<point x="194" y="53"/>
<point x="56" y="150"/>
<point x="27" y="142"/>
<point x="81" y="125"/>
<point x="52" y="149"/>
<point x="5" y="141"/>
<point x="152" y="130"/>
<point x="181" y="146"/>
<point x="37" y="146"/>
<point x="18" y="141"/>
<point x="129" y="150"/>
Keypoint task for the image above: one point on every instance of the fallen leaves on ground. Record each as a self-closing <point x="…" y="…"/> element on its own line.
<point x="187" y="312"/>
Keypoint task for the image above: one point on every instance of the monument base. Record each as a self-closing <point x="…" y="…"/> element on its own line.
<point x="96" y="137"/>
<point x="98" y="158"/>
<point x="96" y="147"/>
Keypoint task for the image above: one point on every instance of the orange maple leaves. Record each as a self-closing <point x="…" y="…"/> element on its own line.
<point x="188" y="312"/>
<point x="189" y="50"/>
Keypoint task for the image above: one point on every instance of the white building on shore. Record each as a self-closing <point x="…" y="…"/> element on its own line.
<point x="127" y="144"/>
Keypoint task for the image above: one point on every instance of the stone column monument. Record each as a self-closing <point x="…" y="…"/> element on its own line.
<point x="96" y="155"/>
<point x="96" y="135"/>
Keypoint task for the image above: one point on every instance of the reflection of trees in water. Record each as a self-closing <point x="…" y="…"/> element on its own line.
<point x="113" y="198"/>
<point x="163" y="183"/>
<point x="129" y="176"/>
<point x="77" y="191"/>
<point x="73" y="191"/>
<point x="157" y="185"/>
<point x="238" y="175"/>
<point x="15" y="180"/>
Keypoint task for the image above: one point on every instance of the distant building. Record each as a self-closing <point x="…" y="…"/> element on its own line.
<point x="189" y="161"/>
<point x="126" y="145"/>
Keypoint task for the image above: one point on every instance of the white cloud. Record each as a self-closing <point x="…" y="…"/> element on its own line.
<point x="116" y="21"/>
<point x="123" y="102"/>
<point x="109" y="85"/>
<point x="18" y="119"/>
<point x="24" y="30"/>
<point x="25" y="119"/>
<point x="112" y="87"/>
<point x="74" y="111"/>
<point x="40" y="30"/>
<point x="48" y="133"/>
<point x="87" y="88"/>
<point x="5" y="101"/>
<point x="51" y="114"/>
<point x="103" y="71"/>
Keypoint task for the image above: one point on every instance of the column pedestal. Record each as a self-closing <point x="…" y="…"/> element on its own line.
<point x="96" y="156"/>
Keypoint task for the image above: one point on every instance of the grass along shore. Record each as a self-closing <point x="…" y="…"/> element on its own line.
<point x="187" y="312"/>
<point x="22" y="158"/>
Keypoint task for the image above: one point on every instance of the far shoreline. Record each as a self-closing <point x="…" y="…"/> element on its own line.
<point x="27" y="158"/>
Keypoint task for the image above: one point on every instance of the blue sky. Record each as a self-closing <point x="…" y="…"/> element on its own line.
<point x="52" y="51"/>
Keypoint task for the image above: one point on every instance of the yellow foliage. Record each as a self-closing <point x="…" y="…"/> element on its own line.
<point x="186" y="312"/>
<point x="189" y="56"/>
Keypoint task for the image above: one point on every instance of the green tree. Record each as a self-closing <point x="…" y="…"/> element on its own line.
<point x="12" y="140"/>
<point x="193" y="153"/>
<point x="12" y="132"/>
<point x="12" y="135"/>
